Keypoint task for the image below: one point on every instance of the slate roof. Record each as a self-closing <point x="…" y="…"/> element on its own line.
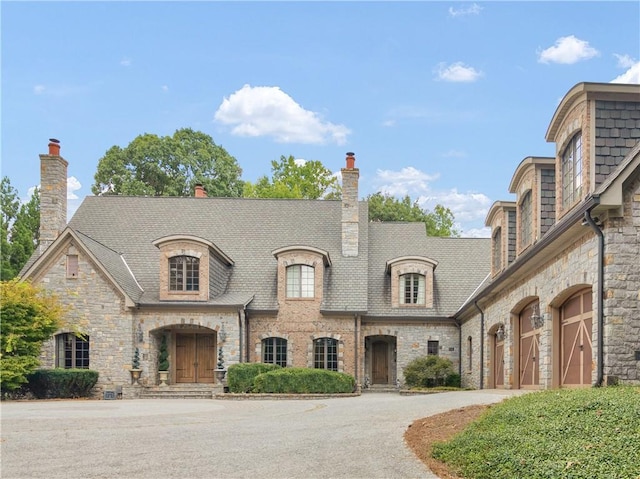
<point x="120" y="231"/>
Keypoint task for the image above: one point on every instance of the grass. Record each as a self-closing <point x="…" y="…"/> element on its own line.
<point x="580" y="433"/>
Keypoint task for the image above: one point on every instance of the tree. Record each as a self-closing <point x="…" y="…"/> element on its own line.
<point x="168" y="166"/>
<point x="20" y="228"/>
<point x="383" y="207"/>
<point x="30" y="315"/>
<point x="295" y="179"/>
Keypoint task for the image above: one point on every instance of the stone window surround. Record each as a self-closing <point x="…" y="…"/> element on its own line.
<point x="311" y="349"/>
<point x="422" y="265"/>
<point x="258" y="348"/>
<point x="60" y="349"/>
<point x="302" y="255"/>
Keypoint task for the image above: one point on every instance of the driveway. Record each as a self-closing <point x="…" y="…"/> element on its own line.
<point x="357" y="437"/>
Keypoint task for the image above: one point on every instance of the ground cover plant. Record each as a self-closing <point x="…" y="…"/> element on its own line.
<point x="580" y="433"/>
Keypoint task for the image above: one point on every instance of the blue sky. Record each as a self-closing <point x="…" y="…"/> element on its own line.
<point x="438" y="100"/>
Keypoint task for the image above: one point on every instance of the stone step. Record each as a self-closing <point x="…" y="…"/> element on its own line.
<point x="180" y="392"/>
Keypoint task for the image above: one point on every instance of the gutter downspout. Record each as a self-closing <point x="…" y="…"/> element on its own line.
<point x="240" y="314"/>
<point x="246" y="328"/>
<point x="459" y="324"/>
<point x="600" y="338"/>
<point x="355" y="345"/>
<point x="475" y="303"/>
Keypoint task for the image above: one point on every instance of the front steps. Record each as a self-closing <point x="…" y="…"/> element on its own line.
<point x="381" y="388"/>
<point x="181" y="391"/>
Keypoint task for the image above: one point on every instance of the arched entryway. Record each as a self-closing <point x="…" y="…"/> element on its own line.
<point x="380" y="359"/>
<point x="529" y="346"/>
<point x="192" y="354"/>
<point x="576" y="360"/>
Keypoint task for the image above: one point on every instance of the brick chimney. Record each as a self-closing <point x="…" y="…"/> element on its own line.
<point x="200" y="192"/>
<point x="350" y="219"/>
<point x="53" y="195"/>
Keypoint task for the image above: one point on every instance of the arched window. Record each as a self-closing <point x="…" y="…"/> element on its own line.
<point x="274" y="351"/>
<point x="325" y="354"/>
<point x="184" y="273"/>
<point x="572" y="171"/>
<point x="300" y="281"/>
<point x="412" y="288"/>
<point x="526" y="220"/>
<point x="72" y="351"/>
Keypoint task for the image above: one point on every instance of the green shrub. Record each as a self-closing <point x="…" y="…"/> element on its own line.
<point x="453" y="381"/>
<point x="428" y="371"/>
<point x="163" y="356"/>
<point x="303" y="381"/>
<point x="240" y="376"/>
<point x="62" y="383"/>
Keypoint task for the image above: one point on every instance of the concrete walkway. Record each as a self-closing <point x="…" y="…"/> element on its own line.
<point x="358" y="437"/>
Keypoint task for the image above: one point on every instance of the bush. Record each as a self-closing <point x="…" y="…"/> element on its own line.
<point x="429" y="371"/>
<point x="303" y="381"/>
<point x="62" y="383"/>
<point x="453" y="381"/>
<point x="240" y="376"/>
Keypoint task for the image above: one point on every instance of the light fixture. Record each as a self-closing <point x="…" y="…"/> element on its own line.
<point x="222" y="334"/>
<point x="140" y="334"/>
<point x="536" y="319"/>
<point x="500" y="333"/>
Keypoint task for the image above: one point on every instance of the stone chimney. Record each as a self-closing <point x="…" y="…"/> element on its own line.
<point x="200" y="192"/>
<point x="53" y="195"/>
<point x="350" y="219"/>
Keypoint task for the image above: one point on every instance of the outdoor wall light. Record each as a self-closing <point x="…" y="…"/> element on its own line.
<point x="537" y="321"/>
<point x="139" y="334"/>
<point x="500" y="333"/>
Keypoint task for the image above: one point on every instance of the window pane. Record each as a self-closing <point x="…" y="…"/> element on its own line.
<point x="433" y="348"/>
<point x="326" y="354"/>
<point x="300" y="281"/>
<point x="412" y="289"/>
<point x="184" y="273"/>
<point x="306" y="282"/>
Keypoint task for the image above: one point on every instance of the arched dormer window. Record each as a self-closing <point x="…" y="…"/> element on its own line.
<point x="412" y="280"/>
<point x="184" y="273"/>
<point x="572" y="171"/>
<point x="412" y="288"/>
<point x="300" y="281"/>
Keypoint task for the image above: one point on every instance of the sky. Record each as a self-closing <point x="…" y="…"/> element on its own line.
<point x="438" y="100"/>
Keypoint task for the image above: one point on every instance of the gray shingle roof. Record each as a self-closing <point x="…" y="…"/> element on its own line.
<point x="114" y="228"/>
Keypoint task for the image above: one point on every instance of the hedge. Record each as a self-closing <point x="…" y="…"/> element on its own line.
<point x="240" y="376"/>
<point x="303" y="381"/>
<point x="62" y="383"/>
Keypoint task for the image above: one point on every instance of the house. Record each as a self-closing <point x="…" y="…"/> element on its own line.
<point x="552" y="299"/>
<point x="302" y="283"/>
<point x="561" y="306"/>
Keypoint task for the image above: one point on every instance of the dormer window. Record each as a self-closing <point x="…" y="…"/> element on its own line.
<point x="412" y="287"/>
<point x="526" y="220"/>
<point x="184" y="273"/>
<point x="300" y="281"/>
<point x="572" y="171"/>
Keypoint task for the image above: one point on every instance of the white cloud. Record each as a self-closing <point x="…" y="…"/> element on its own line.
<point x="165" y="88"/>
<point x="39" y="89"/>
<point x="72" y="185"/>
<point x="469" y="209"/>
<point x="125" y="62"/>
<point x="462" y="11"/>
<point x="268" y="111"/>
<point x="632" y="75"/>
<point x="457" y="72"/>
<point x="389" y="123"/>
<point x="567" y="50"/>
<point x="625" y="61"/>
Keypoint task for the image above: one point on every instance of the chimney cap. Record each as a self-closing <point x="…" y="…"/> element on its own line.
<point x="54" y="140"/>
<point x="350" y="153"/>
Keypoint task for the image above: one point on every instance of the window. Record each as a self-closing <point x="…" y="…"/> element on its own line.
<point x="572" y="171"/>
<point x="525" y="220"/>
<point x="433" y="347"/>
<point x="274" y="351"/>
<point x="300" y="281"/>
<point x="497" y="250"/>
<point x="72" y="351"/>
<point x="184" y="273"/>
<point x="72" y="266"/>
<point x="325" y="354"/>
<point x="412" y="288"/>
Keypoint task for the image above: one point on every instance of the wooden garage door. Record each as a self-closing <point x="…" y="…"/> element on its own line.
<point x="575" y="340"/>
<point x="498" y="363"/>
<point x="529" y="350"/>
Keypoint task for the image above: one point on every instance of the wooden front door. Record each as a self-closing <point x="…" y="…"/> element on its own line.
<point x="575" y="345"/>
<point x="529" y="351"/>
<point x="498" y="364"/>
<point x="195" y="358"/>
<point x="380" y="366"/>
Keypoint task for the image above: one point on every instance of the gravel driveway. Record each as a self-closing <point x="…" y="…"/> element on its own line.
<point x="357" y="437"/>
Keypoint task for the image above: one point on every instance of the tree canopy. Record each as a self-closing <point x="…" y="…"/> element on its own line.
<point x="168" y="166"/>
<point x="439" y="222"/>
<point x="20" y="228"/>
<point x="30" y="315"/>
<point x="295" y="179"/>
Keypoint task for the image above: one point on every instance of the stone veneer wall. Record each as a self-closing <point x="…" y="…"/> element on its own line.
<point x="617" y="125"/>
<point x="547" y="199"/>
<point x="97" y="310"/>
<point x="568" y="271"/>
<point x="53" y="198"/>
<point x="622" y="291"/>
